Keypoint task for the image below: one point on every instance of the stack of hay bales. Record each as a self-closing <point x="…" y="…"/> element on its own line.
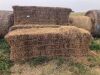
<point x="95" y="17"/>
<point x="6" y="21"/>
<point x="40" y="15"/>
<point x="81" y="22"/>
<point x="60" y="41"/>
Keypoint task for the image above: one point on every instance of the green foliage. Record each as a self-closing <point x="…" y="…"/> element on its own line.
<point x="60" y="60"/>
<point x="95" y="61"/>
<point x="95" y="45"/>
<point x="81" y="68"/>
<point x="77" y="68"/>
<point x="5" y="62"/>
<point x="38" y="60"/>
<point x="4" y="47"/>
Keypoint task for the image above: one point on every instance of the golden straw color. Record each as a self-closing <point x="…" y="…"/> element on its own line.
<point x="28" y="26"/>
<point x="81" y="22"/>
<point x="60" y="41"/>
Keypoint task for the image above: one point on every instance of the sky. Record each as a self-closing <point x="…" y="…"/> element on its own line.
<point x="75" y="5"/>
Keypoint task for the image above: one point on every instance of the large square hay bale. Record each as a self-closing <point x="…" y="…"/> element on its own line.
<point x="40" y="15"/>
<point x="61" y="41"/>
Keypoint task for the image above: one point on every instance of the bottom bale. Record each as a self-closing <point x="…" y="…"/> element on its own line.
<point x="62" y="41"/>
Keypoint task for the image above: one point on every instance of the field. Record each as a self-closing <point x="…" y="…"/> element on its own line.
<point x="89" y="65"/>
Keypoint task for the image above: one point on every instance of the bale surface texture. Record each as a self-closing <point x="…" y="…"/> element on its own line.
<point x="81" y="22"/>
<point x="5" y="22"/>
<point x="61" y="41"/>
<point x="28" y="26"/>
<point x="40" y="15"/>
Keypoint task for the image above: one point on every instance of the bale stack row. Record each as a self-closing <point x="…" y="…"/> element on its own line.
<point x="61" y="41"/>
<point x="6" y="21"/>
<point x="40" y="15"/>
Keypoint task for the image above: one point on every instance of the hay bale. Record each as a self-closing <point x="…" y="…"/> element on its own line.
<point x="95" y="17"/>
<point x="5" y="22"/>
<point x="40" y="15"/>
<point x="61" y="41"/>
<point x="81" y="22"/>
<point x="32" y="26"/>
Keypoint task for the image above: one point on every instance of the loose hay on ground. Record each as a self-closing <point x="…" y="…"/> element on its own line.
<point x="61" y="41"/>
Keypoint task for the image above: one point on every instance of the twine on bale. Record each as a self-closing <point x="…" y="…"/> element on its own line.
<point x="61" y="41"/>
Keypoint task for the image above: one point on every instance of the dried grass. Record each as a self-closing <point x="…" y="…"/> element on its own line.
<point x="81" y="22"/>
<point x="28" y="26"/>
<point x="61" y="41"/>
<point x="51" y="68"/>
<point x="47" y="69"/>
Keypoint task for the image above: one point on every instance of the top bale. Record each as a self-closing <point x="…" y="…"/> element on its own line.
<point x="40" y="15"/>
